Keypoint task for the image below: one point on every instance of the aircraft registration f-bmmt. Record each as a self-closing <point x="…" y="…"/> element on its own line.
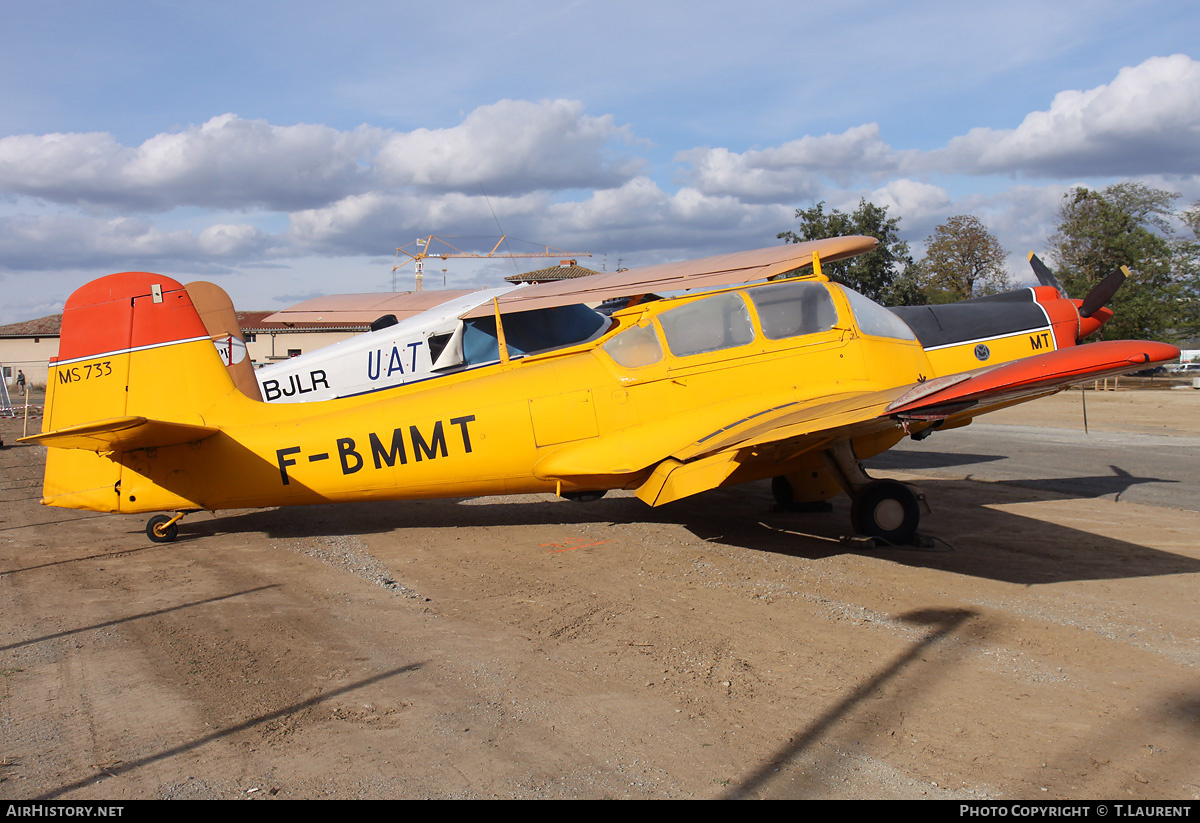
<point x="795" y="379"/>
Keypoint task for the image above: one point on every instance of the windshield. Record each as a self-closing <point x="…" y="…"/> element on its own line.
<point x="874" y="320"/>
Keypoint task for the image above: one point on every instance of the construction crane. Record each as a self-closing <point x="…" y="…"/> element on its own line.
<point x="424" y="247"/>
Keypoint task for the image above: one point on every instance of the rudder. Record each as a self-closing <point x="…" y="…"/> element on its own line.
<point x="136" y="368"/>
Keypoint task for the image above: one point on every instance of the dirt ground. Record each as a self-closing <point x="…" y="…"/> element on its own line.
<point x="527" y="647"/>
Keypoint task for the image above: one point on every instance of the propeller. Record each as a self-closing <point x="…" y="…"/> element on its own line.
<point x="1096" y="299"/>
<point x="1046" y="277"/>
<point x="1103" y="291"/>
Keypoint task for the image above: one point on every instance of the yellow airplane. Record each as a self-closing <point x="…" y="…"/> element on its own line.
<point x="795" y="379"/>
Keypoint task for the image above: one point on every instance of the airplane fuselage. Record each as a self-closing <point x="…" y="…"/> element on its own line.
<point x="486" y="431"/>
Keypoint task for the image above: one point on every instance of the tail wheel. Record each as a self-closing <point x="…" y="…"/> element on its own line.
<point x="887" y="509"/>
<point x="162" y="528"/>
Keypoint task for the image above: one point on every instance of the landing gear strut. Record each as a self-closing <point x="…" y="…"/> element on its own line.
<point x="887" y="510"/>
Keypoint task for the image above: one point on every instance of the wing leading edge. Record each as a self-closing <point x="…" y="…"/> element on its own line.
<point x="705" y="273"/>
<point x="1034" y="376"/>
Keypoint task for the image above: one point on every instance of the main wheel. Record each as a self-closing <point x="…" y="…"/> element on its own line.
<point x="887" y="509"/>
<point x="584" y="497"/>
<point x="781" y="490"/>
<point x="159" y="531"/>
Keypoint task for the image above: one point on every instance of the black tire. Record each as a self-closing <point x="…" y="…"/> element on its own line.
<point x="781" y="490"/>
<point x="584" y="497"/>
<point x="158" y="532"/>
<point x="886" y="509"/>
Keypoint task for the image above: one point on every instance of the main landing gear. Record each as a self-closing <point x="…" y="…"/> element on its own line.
<point x="886" y="509"/>
<point x="583" y="497"/>
<point x="884" y="512"/>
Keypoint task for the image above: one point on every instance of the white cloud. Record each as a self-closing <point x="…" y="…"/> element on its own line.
<point x="793" y="171"/>
<point x="227" y="240"/>
<point x="912" y="199"/>
<point x="1146" y="121"/>
<point x="640" y="216"/>
<point x="511" y="147"/>
<point x="227" y="162"/>
<point x="378" y="222"/>
<point x="41" y="242"/>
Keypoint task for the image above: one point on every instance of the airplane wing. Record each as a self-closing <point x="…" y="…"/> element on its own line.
<point x="365" y="308"/>
<point x="699" y="453"/>
<point x="705" y="273"/>
<point x="986" y="389"/>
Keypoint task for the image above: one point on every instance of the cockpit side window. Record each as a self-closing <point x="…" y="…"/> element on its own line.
<point x="635" y="347"/>
<point x="793" y="308"/>
<point x="714" y="323"/>
<point x="873" y="319"/>
<point x="530" y="332"/>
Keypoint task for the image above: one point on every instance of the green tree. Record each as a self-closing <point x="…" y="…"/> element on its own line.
<point x="887" y="274"/>
<point x="1187" y="271"/>
<point x="963" y="260"/>
<point x="1125" y="224"/>
<point x="1191" y="217"/>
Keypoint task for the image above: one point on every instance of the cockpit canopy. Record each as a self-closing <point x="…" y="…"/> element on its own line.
<point x="786" y="309"/>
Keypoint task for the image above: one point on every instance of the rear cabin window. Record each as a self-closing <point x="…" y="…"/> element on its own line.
<point x="714" y="323"/>
<point x="793" y="308"/>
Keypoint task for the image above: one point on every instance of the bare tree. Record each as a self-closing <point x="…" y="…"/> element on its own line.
<point x="963" y="260"/>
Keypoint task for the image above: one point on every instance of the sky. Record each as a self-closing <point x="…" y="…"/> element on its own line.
<point x="286" y="149"/>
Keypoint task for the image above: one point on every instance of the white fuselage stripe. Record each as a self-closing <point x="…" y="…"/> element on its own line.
<point x="116" y="352"/>
<point x="989" y="339"/>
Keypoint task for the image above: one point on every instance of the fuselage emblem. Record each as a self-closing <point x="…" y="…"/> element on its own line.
<point x="982" y="352"/>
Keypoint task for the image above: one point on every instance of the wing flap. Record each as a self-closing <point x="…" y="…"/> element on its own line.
<point x="121" y="434"/>
<point x="673" y="480"/>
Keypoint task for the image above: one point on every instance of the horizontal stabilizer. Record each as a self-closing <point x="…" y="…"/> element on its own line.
<point x="120" y="434"/>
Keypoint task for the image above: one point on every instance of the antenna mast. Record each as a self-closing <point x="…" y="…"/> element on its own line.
<point x="432" y="246"/>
